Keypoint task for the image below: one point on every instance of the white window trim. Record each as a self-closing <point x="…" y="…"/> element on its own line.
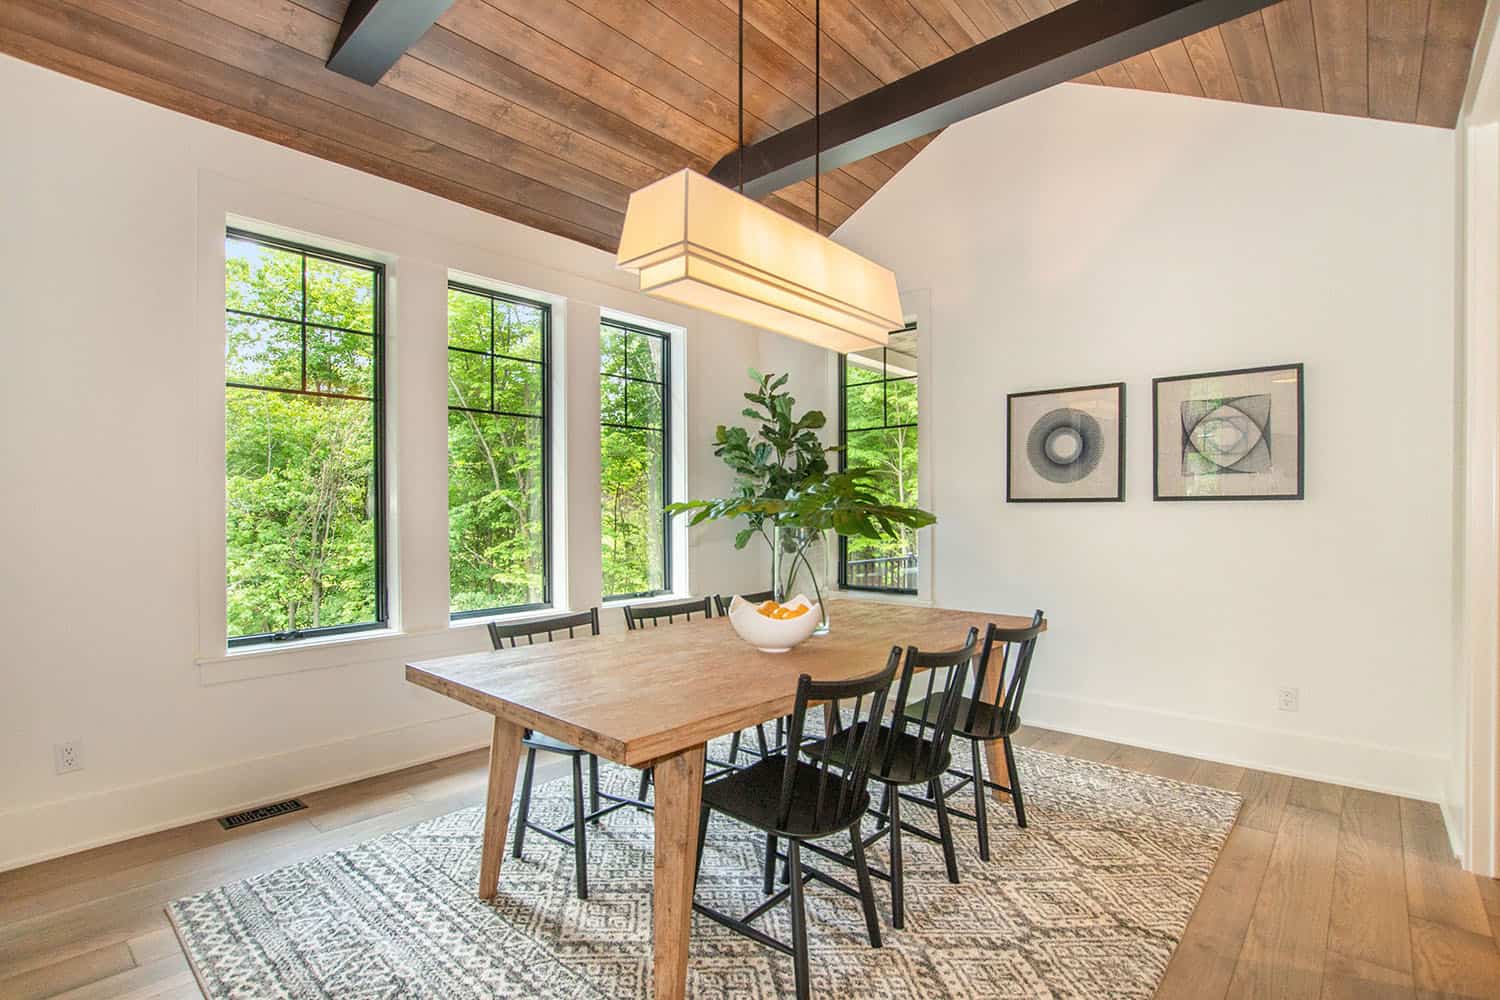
<point x="222" y="204"/>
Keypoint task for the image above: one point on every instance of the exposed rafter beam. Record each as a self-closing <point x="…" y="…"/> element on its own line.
<point x="376" y="32"/>
<point x="1073" y="40"/>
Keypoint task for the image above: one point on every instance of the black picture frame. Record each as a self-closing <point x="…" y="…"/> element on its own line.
<point x="1010" y="457"/>
<point x="1156" y="444"/>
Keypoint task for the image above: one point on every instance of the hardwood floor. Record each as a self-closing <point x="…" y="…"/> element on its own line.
<point x="1321" y="892"/>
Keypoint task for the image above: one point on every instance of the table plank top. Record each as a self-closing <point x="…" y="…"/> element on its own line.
<point x="635" y="697"/>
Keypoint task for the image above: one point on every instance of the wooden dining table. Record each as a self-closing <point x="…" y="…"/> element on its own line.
<point x="654" y="698"/>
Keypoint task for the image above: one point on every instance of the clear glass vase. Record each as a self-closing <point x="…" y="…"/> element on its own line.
<point x="789" y="559"/>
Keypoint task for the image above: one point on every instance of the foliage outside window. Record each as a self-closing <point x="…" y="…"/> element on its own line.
<point x="497" y="452"/>
<point x="634" y="471"/>
<point x="879" y="431"/>
<point x="303" y="424"/>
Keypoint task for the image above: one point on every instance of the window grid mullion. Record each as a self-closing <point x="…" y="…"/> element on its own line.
<point x="304" y="322"/>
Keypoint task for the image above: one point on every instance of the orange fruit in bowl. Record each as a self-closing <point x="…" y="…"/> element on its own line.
<point x="780" y="612"/>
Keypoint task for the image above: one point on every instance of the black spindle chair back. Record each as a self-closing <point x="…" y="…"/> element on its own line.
<point x="1015" y="646"/>
<point x="637" y="615"/>
<point x="722" y="601"/>
<point x="934" y="730"/>
<point x="841" y="779"/>
<point x="529" y="630"/>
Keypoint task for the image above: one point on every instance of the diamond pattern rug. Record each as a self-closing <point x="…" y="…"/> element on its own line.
<point x="1088" y="902"/>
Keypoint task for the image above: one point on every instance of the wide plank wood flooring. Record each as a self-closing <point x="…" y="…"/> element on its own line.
<point x="1321" y="892"/>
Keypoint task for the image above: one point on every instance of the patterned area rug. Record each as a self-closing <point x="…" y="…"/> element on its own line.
<point x="1089" y="901"/>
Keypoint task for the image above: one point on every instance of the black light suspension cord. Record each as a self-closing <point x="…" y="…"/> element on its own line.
<point x="740" y="137"/>
<point x="817" y="115"/>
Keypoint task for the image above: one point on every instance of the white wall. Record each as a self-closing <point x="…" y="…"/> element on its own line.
<point x="1470" y="795"/>
<point x="110" y="439"/>
<point x="1088" y="235"/>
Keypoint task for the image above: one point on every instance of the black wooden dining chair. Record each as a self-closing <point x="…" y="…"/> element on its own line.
<point x="722" y="601"/>
<point x="802" y="801"/>
<point x="636" y="617"/>
<point x="502" y="635"/>
<point x="914" y="752"/>
<point x="763" y="746"/>
<point x="983" y="718"/>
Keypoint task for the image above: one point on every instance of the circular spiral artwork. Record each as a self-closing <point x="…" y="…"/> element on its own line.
<point x="1065" y="445"/>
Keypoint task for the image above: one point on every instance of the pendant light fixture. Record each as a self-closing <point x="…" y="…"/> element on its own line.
<point x="699" y="243"/>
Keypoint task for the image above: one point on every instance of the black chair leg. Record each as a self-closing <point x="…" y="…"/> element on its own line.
<point x="945" y="828"/>
<point x="734" y="749"/>
<point x="1015" y="784"/>
<point x="580" y="844"/>
<point x="645" y="785"/>
<point x="799" y="921"/>
<point x="769" y="885"/>
<point x="594" y="785"/>
<point x="760" y="737"/>
<point x="898" y="883"/>
<point x="885" y="809"/>
<point x="524" y="812"/>
<point x="866" y="890"/>
<point x="981" y="819"/>
<point x="702" y="839"/>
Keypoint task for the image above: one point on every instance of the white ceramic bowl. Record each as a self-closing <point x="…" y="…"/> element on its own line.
<point x="770" y="635"/>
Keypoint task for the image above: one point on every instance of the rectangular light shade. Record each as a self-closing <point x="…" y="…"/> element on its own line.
<point x="696" y="242"/>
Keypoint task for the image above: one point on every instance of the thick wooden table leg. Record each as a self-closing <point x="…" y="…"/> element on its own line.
<point x="505" y="756"/>
<point x="679" y="796"/>
<point x="994" y="750"/>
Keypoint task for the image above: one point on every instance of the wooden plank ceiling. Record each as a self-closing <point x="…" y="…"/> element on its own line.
<point x="550" y="112"/>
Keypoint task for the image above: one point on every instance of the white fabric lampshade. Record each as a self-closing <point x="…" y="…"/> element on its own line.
<point x="701" y="244"/>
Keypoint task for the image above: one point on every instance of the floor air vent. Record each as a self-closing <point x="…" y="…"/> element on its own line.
<point x="259" y="813"/>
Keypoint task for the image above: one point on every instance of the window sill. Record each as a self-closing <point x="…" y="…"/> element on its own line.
<point x="644" y="602"/>
<point x="915" y="600"/>
<point x="355" y="649"/>
<point x="507" y="617"/>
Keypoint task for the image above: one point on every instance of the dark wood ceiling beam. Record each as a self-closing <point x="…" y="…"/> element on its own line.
<point x="1075" y="39"/>
<point x="115" y="55"/>
<point x="375" y="33"/>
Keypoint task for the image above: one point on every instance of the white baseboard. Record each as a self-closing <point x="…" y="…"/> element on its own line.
<point x="1358" y="765"/>
<point x="53" y="829"/>
<point x="1454" y="822"/>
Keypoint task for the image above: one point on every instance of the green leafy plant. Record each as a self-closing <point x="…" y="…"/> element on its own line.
<point x="785" y="490"/>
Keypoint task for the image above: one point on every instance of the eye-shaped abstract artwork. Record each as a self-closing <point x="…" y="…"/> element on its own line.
<point x="1229" y="435"/>
<point x="1067" y="444"/>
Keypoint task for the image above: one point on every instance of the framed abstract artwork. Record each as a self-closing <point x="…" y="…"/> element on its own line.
<point x="1235" y="435"/>
<point x="1066" y="444"/>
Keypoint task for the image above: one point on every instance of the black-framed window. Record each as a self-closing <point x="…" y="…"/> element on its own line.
<point x="499" y="417"/>
<point x="878" y="429"/>
<point x="635" y="471"/>
<point x="303" y="441"/>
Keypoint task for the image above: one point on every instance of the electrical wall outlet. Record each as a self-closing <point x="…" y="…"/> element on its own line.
<point x="67" y="756"/>
<point x="1286" y="699"/>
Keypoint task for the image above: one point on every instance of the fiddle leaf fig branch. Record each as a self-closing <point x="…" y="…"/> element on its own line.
<point x="782" y="477"/>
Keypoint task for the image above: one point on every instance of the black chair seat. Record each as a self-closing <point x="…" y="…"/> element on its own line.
<point x="754" y="796"/>
<point x="990" y="722"/>
<point x="547" y="743"/>
<point x="912" y="762"/>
